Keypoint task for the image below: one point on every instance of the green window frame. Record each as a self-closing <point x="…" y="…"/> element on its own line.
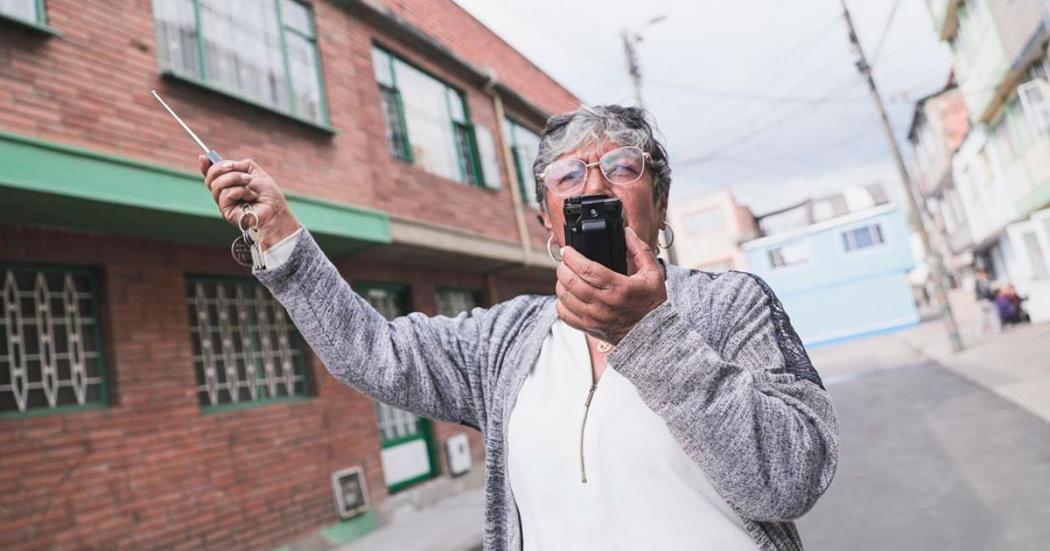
<point x="396" y="426"/>
<point x="51" y="341"/>
<point x="396" y="117"/>
<point x="523" y="142"/>
<point x="287" y="41"/>
<point x="246" y="351"/>
<point x="36" y="21"/>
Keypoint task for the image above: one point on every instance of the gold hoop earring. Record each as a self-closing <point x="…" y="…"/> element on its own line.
<point x="550" y="253"/>
<point x="666" y="230"/>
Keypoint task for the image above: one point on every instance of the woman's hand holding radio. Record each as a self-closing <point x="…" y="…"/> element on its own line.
<point x="234" y="182"/>
<point x="603" y="303"/>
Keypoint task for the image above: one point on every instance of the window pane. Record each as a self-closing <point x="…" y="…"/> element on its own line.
<point x="302" y="63"/>
<point x="1036" y="256"/>
<point x="429" y="124"/>
<point x="381" y="66"/>
<point x="466" y="156"/>
<point x="242" y="49"/>
<point x="862" y="237"/>
<point x="525" y="145"/>
<point x="51" y="355"/>
<point x="788" y="255"/>
<point x="24" y="10"/>
<point x="452" y="302"/>
<point x="455" y="106"/>
<point x="177" y="36"/>
<point x="395" y="135"/>
<point x="246" y="349"/>
<point x="490" y="169"/>
<point x="297" y="17"/>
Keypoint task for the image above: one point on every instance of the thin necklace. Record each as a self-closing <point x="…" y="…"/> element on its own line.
<point x="604" y="347"/>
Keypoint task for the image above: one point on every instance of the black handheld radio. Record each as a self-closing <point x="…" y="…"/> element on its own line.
<point x="594" y="226"/>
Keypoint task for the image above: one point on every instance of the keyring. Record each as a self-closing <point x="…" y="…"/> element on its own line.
<point x="247" y="210"/>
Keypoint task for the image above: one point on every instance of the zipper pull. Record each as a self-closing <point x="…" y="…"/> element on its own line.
<point x="583" y="426"/>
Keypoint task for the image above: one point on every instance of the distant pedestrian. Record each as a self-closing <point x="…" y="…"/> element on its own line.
<point x="1009" y="304"/>
<point x="988" y="317"/>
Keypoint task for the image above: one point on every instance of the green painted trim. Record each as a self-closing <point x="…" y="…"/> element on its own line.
<point x="168" y="73"/>
<point x="346" y="531"/>
<point x="201" y="67"/>
<point x="60" y="410"/>
<point x="29" y="25"/>
<point x="239" y="406"/>
<point x="128" y="197"/>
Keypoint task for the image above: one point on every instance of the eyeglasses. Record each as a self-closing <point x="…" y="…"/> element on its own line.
<point x="621" y="166"/>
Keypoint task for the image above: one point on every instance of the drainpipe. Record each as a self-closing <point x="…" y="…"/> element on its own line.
<point x="515" y="193"/>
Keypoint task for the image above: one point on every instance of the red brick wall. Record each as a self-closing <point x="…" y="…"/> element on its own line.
<point x="89" y="88"/>
<point x="153" y="470"/>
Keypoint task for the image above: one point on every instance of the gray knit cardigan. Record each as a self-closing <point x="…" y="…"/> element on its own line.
<point x="718" y="361"/>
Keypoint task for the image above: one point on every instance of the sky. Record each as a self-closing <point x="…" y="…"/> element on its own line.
<point x="760" y="96"/>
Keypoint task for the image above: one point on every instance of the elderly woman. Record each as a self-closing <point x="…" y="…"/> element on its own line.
<point x="663" y="409"/>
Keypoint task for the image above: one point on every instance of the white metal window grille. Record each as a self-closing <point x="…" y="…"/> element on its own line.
<point x="50" y="341"/>
<point x="23" y="10"/>
<point x="263" y="50"/>
<point x="245" y="349"/>
<point x="394" y="423"/>
<point x="452" y="302"/>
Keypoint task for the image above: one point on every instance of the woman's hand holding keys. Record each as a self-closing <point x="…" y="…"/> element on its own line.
<point x="234" y="182"/>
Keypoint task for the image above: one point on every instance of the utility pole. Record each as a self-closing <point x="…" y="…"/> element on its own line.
<point x="934" y="260"/>
<point x="633" y="71"/>
<point x="630" y="38"/>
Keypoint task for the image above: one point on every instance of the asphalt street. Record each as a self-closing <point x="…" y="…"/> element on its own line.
<point x="930" y="461"/>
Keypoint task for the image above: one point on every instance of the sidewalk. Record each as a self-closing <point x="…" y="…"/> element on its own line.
<point x="1015" y="364"/>
<point x="455" y="523"/>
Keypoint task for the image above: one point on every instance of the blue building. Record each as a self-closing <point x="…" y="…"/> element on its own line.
<point x="843" y="277"/>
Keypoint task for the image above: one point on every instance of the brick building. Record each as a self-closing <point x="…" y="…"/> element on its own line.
<point x="152" y="394"/>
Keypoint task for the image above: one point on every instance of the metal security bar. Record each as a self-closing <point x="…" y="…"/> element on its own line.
<point x="245" y="350"/>
<point x="451" y="302"/>
<point x="50" y="343"/>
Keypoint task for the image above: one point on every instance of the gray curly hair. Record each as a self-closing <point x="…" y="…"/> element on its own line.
<point x="624" y="126"/>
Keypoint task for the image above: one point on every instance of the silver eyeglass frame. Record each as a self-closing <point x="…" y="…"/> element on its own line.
<point x="646" y="157"/>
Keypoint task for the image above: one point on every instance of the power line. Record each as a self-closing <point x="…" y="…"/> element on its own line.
<point x="758" y="132"/>
<point x="885" y="32"/>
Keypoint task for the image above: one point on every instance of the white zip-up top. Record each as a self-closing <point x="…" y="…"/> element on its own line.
<point x="592" y="467"/>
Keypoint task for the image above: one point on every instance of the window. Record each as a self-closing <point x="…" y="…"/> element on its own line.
<point x="524" y="146"/>
<point x="862" y="237"/>
<point x="427" y="123"/>
<point x="26" y="11"/>
<point x="261" y="50"/>
<point x="1035" y="255"/>
<point x="788" y="255"/>
<point x="245" y="349"/>
<point x="452" y="302"/>
<point x="708" y="220"/>
<point x="50" y="341"/>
